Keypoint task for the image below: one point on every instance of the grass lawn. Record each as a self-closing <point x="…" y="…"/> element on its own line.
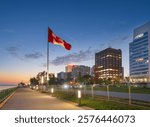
<point x="97" y="103"/>
<point x="123" y="89"/>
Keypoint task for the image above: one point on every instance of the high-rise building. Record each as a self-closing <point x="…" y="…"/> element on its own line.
<point x="139" y="53"/>
<point x="92" y="71"/>
<point x="69" y="76"/>
<point x="69" y="67"/>
<point x="108" y="64"/>
<point x="66" y="76"/>
<point x="61" y="75"/>
<point x="80" y="70"/>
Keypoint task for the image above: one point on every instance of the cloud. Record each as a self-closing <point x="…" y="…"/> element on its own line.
<point x="74" y="57"/>
<point x="13" y="50"/>
<point x="35" y="55"/>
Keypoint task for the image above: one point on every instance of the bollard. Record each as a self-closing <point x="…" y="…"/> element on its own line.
<point x="79" y="97"/>
<point x="52" y="91"/>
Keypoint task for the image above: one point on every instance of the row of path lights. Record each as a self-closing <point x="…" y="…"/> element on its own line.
<point x="92" y="91"/>
<point x="78" y="92"/>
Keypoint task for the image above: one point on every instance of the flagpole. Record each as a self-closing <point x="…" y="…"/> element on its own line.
<point x="47" y="63"/>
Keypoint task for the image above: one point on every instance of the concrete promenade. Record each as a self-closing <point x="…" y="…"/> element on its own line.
<point x="27" y="99"/>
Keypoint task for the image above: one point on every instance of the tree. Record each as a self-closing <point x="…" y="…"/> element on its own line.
<point x="91" y="80"/>
<point x="116" y="81"/>
<point x="53" y="81"/>
<point x="100" y="81"/>
<point x="108" y="81"/>
<point x="86" y="78"/>
<point x="34" y="81"/>
<point x="80" y="78"/>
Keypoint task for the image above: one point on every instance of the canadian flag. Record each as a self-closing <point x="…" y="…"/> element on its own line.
<point x="52" y="38"/>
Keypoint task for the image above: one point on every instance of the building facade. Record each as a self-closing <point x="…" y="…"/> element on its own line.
<point x="61" y="76"/>
<point x="69" y="67"/>
<point x="65" y="76"/>
<point x="92" y="71"/>
<point x="139" y="50"/>
<point x="80" y="70"/>
<point x="108" y="64"/>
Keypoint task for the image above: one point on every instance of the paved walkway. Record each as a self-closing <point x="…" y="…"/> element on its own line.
<point x="27" y="99"/>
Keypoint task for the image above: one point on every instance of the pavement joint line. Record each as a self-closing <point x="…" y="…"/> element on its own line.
<point x="6" y="100"/>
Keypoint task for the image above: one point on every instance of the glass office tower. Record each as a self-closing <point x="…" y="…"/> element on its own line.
<point x="139" y="51"/>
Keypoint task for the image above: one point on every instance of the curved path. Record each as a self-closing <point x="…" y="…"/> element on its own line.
<point x="27" y="99"/>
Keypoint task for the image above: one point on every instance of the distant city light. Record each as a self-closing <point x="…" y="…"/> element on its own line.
<point x="37" y="87"/>
<point x="80" y="86"/>
<point x="47" y="78"/>
<point x="66" y="86"/>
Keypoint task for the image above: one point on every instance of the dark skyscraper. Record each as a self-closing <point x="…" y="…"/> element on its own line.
<point x="108" y="64"/>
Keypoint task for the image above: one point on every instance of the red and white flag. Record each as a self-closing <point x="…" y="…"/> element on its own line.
<point x="52" y="38"/>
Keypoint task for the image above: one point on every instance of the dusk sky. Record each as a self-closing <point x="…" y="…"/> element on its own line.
<point x="88" y="25"/>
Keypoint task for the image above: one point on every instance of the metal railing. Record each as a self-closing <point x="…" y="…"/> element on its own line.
<point x="121" y="94"/>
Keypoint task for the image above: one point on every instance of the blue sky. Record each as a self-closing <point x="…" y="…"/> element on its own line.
<point x="88" y="25"/>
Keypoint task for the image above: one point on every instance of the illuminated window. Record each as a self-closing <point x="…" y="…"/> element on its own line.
<point x="109" y="56"/>
<point x="139" y="60"/>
